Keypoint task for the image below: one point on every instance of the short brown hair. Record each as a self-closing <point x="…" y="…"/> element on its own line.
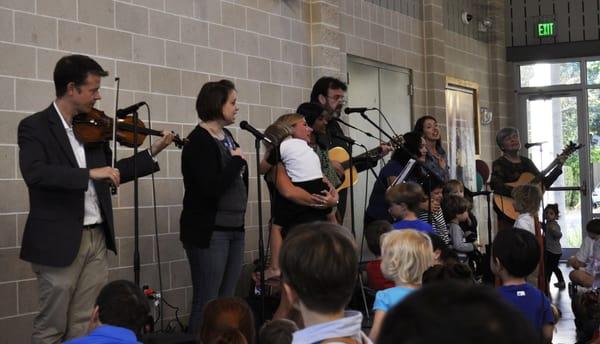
<point x="373" y="233"/>
<point x="319" y="262"/>
<point x="227" y="312"/>
<point x="75" y="69"/>
<point x="451" y="186"/>
<point x="410" y="194"/>
<point x="454" y="205"/>
<point x="527" y="198"/>
<point x="213" y="95"/>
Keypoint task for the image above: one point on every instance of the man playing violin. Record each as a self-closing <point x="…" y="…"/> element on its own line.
<point x="70" y="223"/>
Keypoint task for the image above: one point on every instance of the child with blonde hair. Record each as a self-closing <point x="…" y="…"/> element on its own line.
<point x="406" y="255"/>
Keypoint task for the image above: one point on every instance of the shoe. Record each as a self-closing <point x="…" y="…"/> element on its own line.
<point x="560" y="285"/>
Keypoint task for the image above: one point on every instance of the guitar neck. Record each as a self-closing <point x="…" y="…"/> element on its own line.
<point x="375" y="152"/>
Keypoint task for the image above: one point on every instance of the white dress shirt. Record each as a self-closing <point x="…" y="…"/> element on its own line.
<point x="92" y="213"/>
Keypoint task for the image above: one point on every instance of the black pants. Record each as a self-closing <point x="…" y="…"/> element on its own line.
<point x="551" y="265"/>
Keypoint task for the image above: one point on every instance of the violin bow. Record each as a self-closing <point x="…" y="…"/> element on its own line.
<point x="113" y="188"/>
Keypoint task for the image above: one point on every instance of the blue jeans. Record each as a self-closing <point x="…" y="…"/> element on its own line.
<point x="215" y="271"/>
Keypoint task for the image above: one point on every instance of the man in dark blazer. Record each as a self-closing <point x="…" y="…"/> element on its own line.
<point x="70" y="222"/>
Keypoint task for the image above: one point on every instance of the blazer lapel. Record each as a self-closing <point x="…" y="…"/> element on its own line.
<point x="60" y="134"/>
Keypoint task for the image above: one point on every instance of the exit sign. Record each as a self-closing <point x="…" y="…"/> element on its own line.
<point x="545" y="29"/>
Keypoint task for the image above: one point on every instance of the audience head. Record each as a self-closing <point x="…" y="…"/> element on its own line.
<point x="452" y="312"/>
<point x="427" y="126"/>
<point x="405" y="255"/>
<point x="373" y="233"/>
<point x="330" y="93"/>
<point x="454" y="187"/>
<point x="72" y="71"/>
<point x="448" y="272"/>
<point x="437" y="187"/>
<point x="527" y="198"/>
<point x="319" y="267"/>
<point x="227" y="335"/>
<point x="442" y="254"/>
<point x="280" y="331"/>
<point x="227" y="312"/>
<point x="121" y="303"/>
<point x="593" y="229"/>
<point x="315" y="115"/>
<point x="456" y="207"/>
<point x="508" y="138"/>
<point x="414" y="143"/>
<point x="404" y="197"/>
<point x="217" y="102"/>
<point x="515" y="252"/>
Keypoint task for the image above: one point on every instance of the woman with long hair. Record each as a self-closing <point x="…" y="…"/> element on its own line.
<point x="437" y="160"/>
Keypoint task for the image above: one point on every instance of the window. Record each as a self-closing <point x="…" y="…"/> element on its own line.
<point x="550" y="74"/>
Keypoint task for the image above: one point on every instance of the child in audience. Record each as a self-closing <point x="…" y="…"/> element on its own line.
<point x="318" y="269"/>
<point x="445" y="272"/>
<point x="582" y="261"/>
<point x="437" y="216"/>
<point x="442" y="253"/>
<point x="227" y="335"/>
<point x="373" y="233"/>
<point x="227" y="312"/>
<point x="456" y="209"/>
<point x="527" y="199"/>
<point x="279" y="331"/>
<point x="404" y="200"/>
<point x="453" y="312"/>
<point x="515" y="255"/>
<point x="553" y="250"/>
<point x="406" y="255"/>
<point x="455" y="187"/>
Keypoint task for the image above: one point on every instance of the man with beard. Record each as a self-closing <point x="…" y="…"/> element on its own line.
<point x="331" y="94"/>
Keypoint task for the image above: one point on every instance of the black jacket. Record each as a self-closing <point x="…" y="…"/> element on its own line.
<point x="205" y="180"/>
<point x="57" y="188"/>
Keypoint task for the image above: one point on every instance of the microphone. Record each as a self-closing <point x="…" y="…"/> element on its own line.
<point x="121" y="113"/>
<point x="533" y="144"/>
<point x="246" y="126"/>
<point x="350" y="110"/>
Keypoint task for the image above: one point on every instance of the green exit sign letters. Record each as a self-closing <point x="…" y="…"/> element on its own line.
<point x="545" y="29"/>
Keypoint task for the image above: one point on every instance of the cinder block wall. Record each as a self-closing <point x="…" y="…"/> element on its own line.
<point x="163" y="51"/>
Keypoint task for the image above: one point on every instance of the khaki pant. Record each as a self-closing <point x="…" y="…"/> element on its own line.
<point x="68" y="294"/>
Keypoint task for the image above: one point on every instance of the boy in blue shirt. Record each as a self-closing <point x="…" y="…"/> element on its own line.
<point x="515" y="255"/>
<point x="404" y="200"/>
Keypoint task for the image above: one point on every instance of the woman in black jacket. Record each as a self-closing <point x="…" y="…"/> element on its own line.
<point x="216" y="194"/>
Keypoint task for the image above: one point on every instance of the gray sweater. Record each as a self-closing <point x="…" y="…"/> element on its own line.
<point x="552" y="237"/>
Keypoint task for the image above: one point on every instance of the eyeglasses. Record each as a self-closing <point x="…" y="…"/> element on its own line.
<point x="340" y="99"/>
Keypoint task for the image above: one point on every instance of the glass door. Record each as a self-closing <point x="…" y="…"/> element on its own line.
<point x="555" y="120"/>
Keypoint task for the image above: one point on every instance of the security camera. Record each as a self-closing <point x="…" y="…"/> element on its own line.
<point x="466" y="17"/>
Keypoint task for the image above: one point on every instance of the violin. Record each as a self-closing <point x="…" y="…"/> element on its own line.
<point x="95" y="126"/>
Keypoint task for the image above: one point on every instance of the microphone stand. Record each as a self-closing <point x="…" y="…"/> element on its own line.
<point x="136" y="224"/>
<point x="261" y="245"/>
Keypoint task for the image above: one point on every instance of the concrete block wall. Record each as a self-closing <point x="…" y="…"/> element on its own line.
<point x="163" y="51"/>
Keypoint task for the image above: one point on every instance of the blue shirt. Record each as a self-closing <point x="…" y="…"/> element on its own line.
<point x="388" y="298"/>
<point x="417" y="224"/>
<point x="107" y="334"/>
<point x="531" y="302"/>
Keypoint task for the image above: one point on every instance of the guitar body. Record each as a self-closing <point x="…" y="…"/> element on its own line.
<point x="340" y="155"/>
<point x="505" y="203"/>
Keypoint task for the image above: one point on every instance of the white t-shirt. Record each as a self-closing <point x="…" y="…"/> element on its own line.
<point x="301" y="162"/>
<point x="586" y="251"/>
<point x="525" y="221"/>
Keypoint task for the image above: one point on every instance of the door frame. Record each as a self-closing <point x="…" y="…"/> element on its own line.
<point x="584" y="155"/>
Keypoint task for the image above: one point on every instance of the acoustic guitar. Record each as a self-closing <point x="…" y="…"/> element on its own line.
<point x="340" y="155"/>
<point x="505" y="203"/>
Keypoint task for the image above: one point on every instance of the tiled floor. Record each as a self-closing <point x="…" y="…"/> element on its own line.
<point x="565" y="329"/>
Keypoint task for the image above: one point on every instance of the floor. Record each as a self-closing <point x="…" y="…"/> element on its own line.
<point x="565" y="329"/>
